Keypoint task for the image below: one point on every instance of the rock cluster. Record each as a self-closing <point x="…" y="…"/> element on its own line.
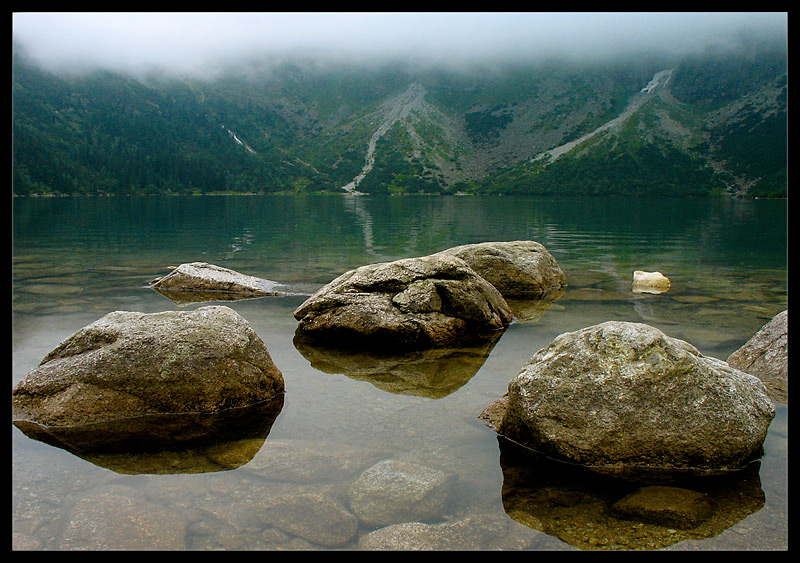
<point x="300" y="494"/>
<point x="617" y="398"/>
<point x="453" y="296"/>
<point x="371" y="491"/>
<point x="129" y="366"/>
<point x="162" y="373"/>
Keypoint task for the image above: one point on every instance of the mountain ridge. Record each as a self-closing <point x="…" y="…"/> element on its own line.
<point x="698" y="126"/>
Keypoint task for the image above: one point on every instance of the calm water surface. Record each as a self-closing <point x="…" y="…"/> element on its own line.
<point x="76" y="259"/>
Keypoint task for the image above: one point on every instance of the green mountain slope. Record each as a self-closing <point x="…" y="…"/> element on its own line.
<point x="717" y="125"/>
<point x="690" y="136"/>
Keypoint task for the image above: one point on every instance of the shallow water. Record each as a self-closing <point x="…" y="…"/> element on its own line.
<point x="76" y="259"/>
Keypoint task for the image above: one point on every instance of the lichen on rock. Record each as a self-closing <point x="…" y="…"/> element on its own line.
<point x="625" y="398"/>
<point x="410" y="303"/>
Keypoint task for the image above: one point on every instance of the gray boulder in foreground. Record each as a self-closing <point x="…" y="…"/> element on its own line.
<point x="202" y="277"/>
<point x="626" y="399"/>
<point x="130" y="364"/>
<point x="522" y="268"/>
<point x="766" y="355"/>
<point x="415" y="302"/>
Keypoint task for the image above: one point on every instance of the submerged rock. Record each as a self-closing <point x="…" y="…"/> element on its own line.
<point x="115" y="520"/>
<point x="766" y="355"/>
<point x="413" y="303"/>
<point x="625" y="398"/>
<point x="199" y="281"/>
<point x="472" y="533"/>
<point x="672" y="507"/>
<point x="315" y="517"/>
<point x="391" y="492"/>
<point x="130" y="364"/>
<point x="591" y="510"/>
<point x="522" y="268"/>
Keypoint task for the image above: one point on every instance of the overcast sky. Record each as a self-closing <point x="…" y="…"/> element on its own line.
<point x="192" y="40"/>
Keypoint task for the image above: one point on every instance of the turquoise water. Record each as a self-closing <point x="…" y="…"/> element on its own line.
<point x="76" y="259"/>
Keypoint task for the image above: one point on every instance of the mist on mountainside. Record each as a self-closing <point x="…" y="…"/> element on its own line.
<point x="493" y="101"/>
<point x="204" y="44"/>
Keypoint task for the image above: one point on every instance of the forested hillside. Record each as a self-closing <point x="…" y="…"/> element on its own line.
<point x="716" y="126"/>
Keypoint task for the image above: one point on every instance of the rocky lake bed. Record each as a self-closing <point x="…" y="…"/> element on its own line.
<point x="397" y="446"/>
<point x="642" y="410"/>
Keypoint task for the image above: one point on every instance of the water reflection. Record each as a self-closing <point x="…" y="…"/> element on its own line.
<point x="187" y="297"/>
<point x="530" y="310"/>
<point x="584" y="508"/>
<point x="433" y="373"/>
<point x="651" y="290"/>
<point x="166" y="443"/>
<point x="75" y="259"/>
<point x="354" y="204"/>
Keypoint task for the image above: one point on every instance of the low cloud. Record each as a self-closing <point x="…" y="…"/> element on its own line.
<point x="195" y="41"/>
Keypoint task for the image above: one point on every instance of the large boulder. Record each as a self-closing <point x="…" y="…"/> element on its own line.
<point x="415" y="302"/>
<point x="129" y="364"/>
<point x="766" y="355"/>
<point x="518" y="269"/>
<point x="625" y="398"/>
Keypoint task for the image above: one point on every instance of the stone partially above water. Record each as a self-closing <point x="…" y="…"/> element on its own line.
<point x="624" y="398"/>
<point x="766" y="355"/>
<point x="522" y="268"/>
<point x="129" y="364"/>
<point x="413" y="303"/>
<point x="200" y="281"/>
<point x="649" y="282"/>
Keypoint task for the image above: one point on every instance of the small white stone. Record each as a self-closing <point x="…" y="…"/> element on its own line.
<point x="643" y="281"/>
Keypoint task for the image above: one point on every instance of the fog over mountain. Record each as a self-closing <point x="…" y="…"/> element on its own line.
<point x="676" y="104"/>
<point x="195" y="42"/>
